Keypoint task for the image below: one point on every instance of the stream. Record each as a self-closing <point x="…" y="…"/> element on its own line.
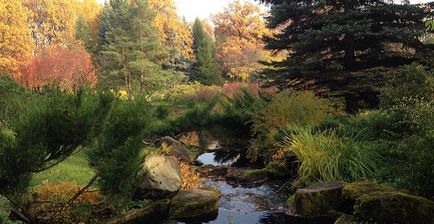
<point x="240" y="204"/>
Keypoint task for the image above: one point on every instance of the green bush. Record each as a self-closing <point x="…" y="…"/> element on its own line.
<point x="118" y="152"/>
<point x="5" y="208"/>
<point x="13" y="97"/>
<point x="285" y="110"/>
<point x="368" y="125"/>
<point x="237" y="112"/>
<point x="47" y="131"/>
<point x="325" y="156"/>
<point x="409" y="100"/>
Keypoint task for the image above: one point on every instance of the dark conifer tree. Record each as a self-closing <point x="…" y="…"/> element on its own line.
<point x="329" y="40"/>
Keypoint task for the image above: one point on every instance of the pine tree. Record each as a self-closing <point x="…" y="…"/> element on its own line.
<point x="205" y="69"/>
<point x="130" y="48"/>
<point x="327" y="41"/>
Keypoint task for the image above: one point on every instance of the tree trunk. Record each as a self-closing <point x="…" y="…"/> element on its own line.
<point x="350" y="54"/>
<point x="82" y="190"/>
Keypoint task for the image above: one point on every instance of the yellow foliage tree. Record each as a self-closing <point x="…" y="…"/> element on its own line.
<point x="90" y="11"/>
<point x="16" y="46"/>
<point x="173" y="31"/>
<point x="239" y="30"/>
<point x="52" y="22"/>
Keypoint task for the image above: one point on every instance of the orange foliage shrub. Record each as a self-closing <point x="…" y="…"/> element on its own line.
<point x="231" y="89"/>
<point x="68" y="67"/>
<point x="190" y="179"/>
<point x="205" y="93"/>
<point x="50" y="203"/>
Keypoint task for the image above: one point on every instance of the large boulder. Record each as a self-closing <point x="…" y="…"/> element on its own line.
<point x="394" y="207"/>
<point x="163" y="178"/>
<point x="176" y="148"/>
<point x="193" y="203"/>
<point x="319" y="199"/>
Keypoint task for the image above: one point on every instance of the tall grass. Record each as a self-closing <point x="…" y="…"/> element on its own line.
<point x="325" y="156"/>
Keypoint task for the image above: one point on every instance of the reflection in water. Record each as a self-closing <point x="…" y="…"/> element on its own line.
<point x="219" y="158"/>
<point x="261" y="205"/>
<point x="238" y="204"/>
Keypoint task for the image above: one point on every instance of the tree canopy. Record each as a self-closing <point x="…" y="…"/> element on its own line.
<point x="239" y="30"/>
<point x="16" y="45"/>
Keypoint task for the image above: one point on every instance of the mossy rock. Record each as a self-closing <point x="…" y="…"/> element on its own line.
<point x="250" y="176"/>
<point x="356" y="189"/>
<point x="394" y="207"/>
<point x="211" y="171"/>
<point x="276" y="170"/>
<point x="346" y="219"/>
<point x="194" y="203"/>
<point x="319" y="199"/>
<point x="154" y="211"/>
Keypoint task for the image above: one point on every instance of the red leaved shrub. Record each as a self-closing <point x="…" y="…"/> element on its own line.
<point x="68" y="67"/>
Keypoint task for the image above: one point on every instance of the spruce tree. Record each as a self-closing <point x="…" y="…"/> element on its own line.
<point x="205" y="69"/>
<point x="328" y="42"/>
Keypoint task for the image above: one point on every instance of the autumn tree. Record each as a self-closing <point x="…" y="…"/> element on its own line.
<point x="16" y="45"/>
<point x="67" y="67"/>
<point x="174" y="32"/>
<point x="52" y="22"/>
<point x="131" y="50"/>
<point x="239" y="30"/>
<point x="205" y="68"/>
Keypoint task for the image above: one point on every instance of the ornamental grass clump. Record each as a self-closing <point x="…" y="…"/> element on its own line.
<point x="325" y="156"/>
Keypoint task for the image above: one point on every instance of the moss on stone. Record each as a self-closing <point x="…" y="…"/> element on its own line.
<point x="356" y="189"/>
<point x="276" y="170"/>
<point x="247" y="175"/>
<point x="394" y="207"/>
<point x="291" y="200"/>
<point x="346" y="219"/>
<point x="193" y="203"/>
<point x="154" y="211"/>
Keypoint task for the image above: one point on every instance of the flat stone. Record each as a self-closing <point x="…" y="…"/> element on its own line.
<point x="319" y="199"/>
<point x="155" y="211"/>
<point x="211" y="171"/>
<point x="346" y="219"/>
<point x="193" y="203"/>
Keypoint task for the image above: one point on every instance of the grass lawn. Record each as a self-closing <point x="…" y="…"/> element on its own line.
<point x="75" y="169"/>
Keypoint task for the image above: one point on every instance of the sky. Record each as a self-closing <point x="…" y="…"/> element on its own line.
<point x="190" y="9"/>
